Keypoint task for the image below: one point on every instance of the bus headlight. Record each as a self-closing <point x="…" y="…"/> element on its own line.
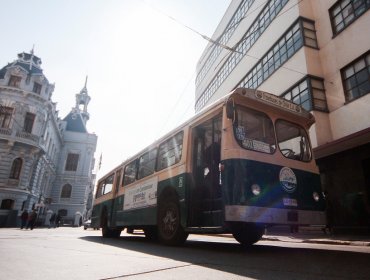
<point x="316" y="196"/>
<point x="256" y="189"/>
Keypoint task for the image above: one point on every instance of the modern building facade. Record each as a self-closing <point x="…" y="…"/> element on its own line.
<point x="317" y="54"/>
<point x="46" y="163"/>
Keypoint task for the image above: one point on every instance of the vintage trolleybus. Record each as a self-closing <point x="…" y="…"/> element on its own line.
<point x="242" y="164"/>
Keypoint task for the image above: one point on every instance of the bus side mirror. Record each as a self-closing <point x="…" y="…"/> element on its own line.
<point x="230" y="109"/>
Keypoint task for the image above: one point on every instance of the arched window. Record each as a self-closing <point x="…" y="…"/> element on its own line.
<point x="66" y="191"/>
<point x="15" y="171"/>
<point x="7" y="204"/>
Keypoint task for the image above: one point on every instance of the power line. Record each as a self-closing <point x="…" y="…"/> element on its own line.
<point x="191" y="29"/>
<point x="178" y="100"/>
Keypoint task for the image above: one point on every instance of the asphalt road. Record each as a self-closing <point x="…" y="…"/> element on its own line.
<point x="74" y="253"/>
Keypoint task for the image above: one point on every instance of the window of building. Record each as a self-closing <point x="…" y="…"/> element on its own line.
<point x="344" y="12"/>
<point x="169" y="152"/>
<point x="7" y="204"/>
<point x="15" y="81"/>
<point x="28" y="122"/>
<point x="147" y="164"/>
<point x="16" y="168"/>
<point x="5" y="116"/>
<point x="260" y="24"/>
<point x="216" y="49"/>
<point x="37" y="88"/>
<point x="72" y="162"/>
<point x="66" y="191"/>
<point x="309" y="93"/>
<point x="301" y="33"/>
<point x="63" y="212"/>
<point x="130" y="173"/>
<point x="356" y="78"/>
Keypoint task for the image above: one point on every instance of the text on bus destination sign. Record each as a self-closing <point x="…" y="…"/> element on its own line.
<point x="278" y="101"/>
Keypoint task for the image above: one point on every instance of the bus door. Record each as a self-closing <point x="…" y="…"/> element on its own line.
<point x="206" y="201"/>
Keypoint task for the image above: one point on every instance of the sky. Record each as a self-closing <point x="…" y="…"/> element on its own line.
<point x="140" y="63"/>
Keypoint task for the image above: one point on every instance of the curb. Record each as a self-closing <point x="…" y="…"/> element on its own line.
<point x="318" y="241"/>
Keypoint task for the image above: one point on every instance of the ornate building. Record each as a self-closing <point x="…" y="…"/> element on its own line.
<point x="45" y="162"/>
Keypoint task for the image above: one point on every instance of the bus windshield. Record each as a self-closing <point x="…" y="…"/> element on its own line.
<point x="293" y="141"/>
<point x="254" y="130"/>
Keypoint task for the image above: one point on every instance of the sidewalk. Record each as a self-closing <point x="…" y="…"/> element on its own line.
<point x="315" y="235"/>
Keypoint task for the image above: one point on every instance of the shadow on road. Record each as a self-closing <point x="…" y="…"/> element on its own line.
<point x="259" y="261"/>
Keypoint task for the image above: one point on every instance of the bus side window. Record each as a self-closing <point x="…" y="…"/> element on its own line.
<point x="99" y="191"/>
<point x="147" y="164"/>
<point x="170" y="152"/>
<point x="130" y="173"/>
<point x="108" y="184"/>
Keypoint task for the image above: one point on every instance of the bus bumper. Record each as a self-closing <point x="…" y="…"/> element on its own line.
<point x="254" y="214"/>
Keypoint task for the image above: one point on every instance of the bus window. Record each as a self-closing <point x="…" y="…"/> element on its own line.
<point x="99" y="191"/>
<point x="169" y="152"/>
<point x="293" y="141"/>
<point x="108" y="184"/>
<point x="254" y="131"/>
<point x="130" y="173"/>
<point x="147" y="164"/>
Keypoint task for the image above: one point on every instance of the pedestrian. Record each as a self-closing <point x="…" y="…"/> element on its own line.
<point x="57" y="220"/>
<point x="52" y="220"/>
<point x="32" y="219"/>
<point x="24" y="218"/>
<point x="328" y="229"/>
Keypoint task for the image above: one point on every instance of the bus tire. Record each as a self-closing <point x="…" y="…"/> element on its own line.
<point x="170" y="231"/>
<point x="247" y="233"/>
<point x="106" y="231"/>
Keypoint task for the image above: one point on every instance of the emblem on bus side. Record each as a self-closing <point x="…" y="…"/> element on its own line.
<point x="288" y="180"/>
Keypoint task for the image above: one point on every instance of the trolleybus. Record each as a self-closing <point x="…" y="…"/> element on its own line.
<point x="242" y="164"/>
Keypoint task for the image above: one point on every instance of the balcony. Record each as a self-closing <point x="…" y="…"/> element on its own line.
<point x="5" y="131"/>
<point x="19" y="136"/>
<point x="28" y="136"/>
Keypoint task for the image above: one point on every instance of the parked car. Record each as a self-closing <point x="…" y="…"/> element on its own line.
<point x="87" y="224"/>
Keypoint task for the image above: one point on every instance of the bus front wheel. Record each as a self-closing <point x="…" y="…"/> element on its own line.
<point x="247" y="233"/>
<point x="170" y="231"/>
<point x="106" y="231"/>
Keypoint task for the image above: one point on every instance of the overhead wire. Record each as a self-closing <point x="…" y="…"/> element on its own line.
<point x="215" y="42"/>
<point x="255" y="31"/>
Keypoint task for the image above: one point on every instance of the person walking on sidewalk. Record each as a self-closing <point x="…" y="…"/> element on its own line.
<point x="57" y="220"/>
<point x="329" y="215"/>
<point x="24" y="218"/>
<point x="52" y="220"/>
<point x="32" y="219"/>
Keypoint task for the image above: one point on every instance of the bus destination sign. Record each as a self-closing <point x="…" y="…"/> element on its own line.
<point x="278" y="101"/>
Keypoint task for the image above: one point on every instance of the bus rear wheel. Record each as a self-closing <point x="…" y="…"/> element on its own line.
<point x="170" y="231"/>
<point x="247" y="233"/>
